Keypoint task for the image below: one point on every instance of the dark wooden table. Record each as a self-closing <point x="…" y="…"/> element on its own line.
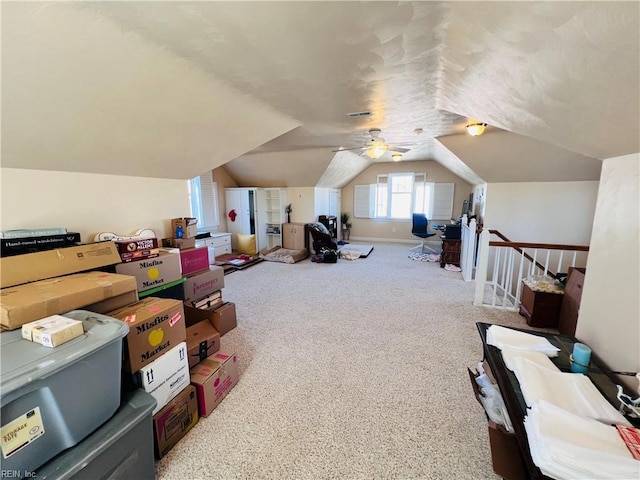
<point x="512" y="395"/>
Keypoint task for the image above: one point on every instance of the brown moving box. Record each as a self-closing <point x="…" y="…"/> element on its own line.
<point x="156" y="325"/>
<point x="25" y="303"/>
<point x="223" y="318"/>
<point x="201" y="284"/>
<point x="203" y="340"/>
<point x="153" y="272"/>
<point x="180" y="243"/>
<point x="174" y="421"/>
<point x="213" y="378"/>
<point x="189" y="226"/>
<point x="113" y="303"/>
<point x="32" y="267"/>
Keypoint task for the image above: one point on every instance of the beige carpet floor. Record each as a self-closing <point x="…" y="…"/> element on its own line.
<point x="353" y="370"/>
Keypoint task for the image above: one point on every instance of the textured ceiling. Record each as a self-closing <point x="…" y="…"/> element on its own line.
<point x="171" y="89"/>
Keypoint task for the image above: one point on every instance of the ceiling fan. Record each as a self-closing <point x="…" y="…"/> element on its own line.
<point x="375" y="146"/>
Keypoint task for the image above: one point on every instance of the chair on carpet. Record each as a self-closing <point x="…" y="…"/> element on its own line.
<point x="420" y="229"/>
<point x="321" y="237"/>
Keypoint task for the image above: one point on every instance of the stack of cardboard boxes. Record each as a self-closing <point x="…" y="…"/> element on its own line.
<point x="173" y="348"/>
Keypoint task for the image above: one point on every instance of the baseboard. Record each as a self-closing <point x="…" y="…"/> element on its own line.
<point x="417" y="241"/>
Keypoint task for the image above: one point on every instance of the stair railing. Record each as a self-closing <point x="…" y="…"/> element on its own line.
<point x="503" y="264"/>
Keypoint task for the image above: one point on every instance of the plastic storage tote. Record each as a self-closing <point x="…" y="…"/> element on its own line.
<point x="52" y="398"/>
<point x="122" y="448"/>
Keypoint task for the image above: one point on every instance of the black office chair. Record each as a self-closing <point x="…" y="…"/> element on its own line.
<point x="420" y="229"/>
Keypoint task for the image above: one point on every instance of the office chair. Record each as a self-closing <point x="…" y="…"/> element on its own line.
<point x="420" y="229"/>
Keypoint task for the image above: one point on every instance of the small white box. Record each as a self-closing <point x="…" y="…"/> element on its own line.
<point x="52" y="331"/>
<point x="167" y="376"/>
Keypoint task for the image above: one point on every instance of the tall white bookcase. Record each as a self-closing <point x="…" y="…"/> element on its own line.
<point x="271" y="215"/>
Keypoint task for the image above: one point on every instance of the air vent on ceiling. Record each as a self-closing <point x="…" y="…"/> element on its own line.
<point x="358" y="114"/>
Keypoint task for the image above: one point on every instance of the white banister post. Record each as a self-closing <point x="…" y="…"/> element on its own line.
<point x="481" y="270"/>
<point x="470" y="248"/>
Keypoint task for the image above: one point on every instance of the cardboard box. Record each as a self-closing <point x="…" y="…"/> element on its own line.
<point x="114" y="303"/>
<point x="20" y="246"/>
<point x="166" y="376"/>
<point x="180" y="243"/>
<point x="201" y="284"/>
<point x="138" y="249"/>
<point x="156" y="325"/>
<point x="25" y="303"/>
<point x="203" y="340"/>
<point x="153" y="272"/>
<point x="173" y="421"/>
<point x="194" y="260"/>
<point x="32" y="267"/>
<point x="208" y="302"/>
<point x="170" y="290"/>
<point x="223" y="318"/>
<point x="213" y="378"/>
<point x="52" y="331"/>
<point x="189" y="226"/>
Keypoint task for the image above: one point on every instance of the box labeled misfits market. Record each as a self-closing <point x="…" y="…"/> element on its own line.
<point x="213" y="378"/>
<point x="155" y="326"/>
<point x="166" y="376"/>
<point x="203" y="283"/>
<point x="153" y="272"/>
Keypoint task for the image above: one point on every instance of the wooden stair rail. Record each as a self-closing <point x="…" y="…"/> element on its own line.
<point x="518" y="246"/>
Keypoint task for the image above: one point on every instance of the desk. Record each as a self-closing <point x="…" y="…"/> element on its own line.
<point x="512" y="395"/>
<point x="450" y="252"/>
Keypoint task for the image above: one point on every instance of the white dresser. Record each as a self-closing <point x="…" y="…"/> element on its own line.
<point x="218" y="244"/>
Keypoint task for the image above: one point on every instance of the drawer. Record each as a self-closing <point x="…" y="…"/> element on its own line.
<point x="218" y="241"/>
<point x="223" y="249"/>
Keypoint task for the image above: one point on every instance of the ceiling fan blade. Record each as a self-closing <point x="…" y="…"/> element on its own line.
<point x="398" y="149"/>
<point x="346" y="149"/>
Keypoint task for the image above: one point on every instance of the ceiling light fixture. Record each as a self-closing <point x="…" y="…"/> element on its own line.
<point x="475" y="129"/>
<point x="396" y="157"/>
<point x="377" y="150"/>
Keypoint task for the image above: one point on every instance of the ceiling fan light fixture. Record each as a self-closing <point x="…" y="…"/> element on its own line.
<point x="475" y="129"/>
<point x="396" y="157"/>
<point x="377" y="150"/>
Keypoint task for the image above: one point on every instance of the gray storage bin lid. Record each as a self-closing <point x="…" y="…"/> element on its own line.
<point x="23" y="361"/>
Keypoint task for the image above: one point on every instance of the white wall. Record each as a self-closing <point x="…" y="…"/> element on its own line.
<point x="546" y="212"/>
<point x="302" y="200"/>
<point x="609" y="317"/>
<point x="90" y="203"/>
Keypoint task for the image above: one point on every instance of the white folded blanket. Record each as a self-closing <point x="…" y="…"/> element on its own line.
<point x="502" y="337"/>
<point x="572" y="392"/>
<point x="567" y="446"/>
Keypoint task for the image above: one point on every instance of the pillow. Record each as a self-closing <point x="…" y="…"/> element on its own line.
<point x="247" y="244"/>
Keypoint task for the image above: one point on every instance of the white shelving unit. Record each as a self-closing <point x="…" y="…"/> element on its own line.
<point x="271" y="216"/>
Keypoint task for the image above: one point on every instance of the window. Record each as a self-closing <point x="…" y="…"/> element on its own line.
<point x="396" y="196"/>
<point x="204" y="201"/>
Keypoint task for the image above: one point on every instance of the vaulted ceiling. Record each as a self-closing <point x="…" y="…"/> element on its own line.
<point x="173" y="89"/>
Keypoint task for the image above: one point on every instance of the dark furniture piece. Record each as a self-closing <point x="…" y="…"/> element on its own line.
<point x="321" y="237"/>
<point x="512" y="395"/>
<point x="420" y="229"/>
<point x="540" y="309"/>
<point x="571" y="301"/>
<point x="331" y="222"/>
<point x="450" y="252"/>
